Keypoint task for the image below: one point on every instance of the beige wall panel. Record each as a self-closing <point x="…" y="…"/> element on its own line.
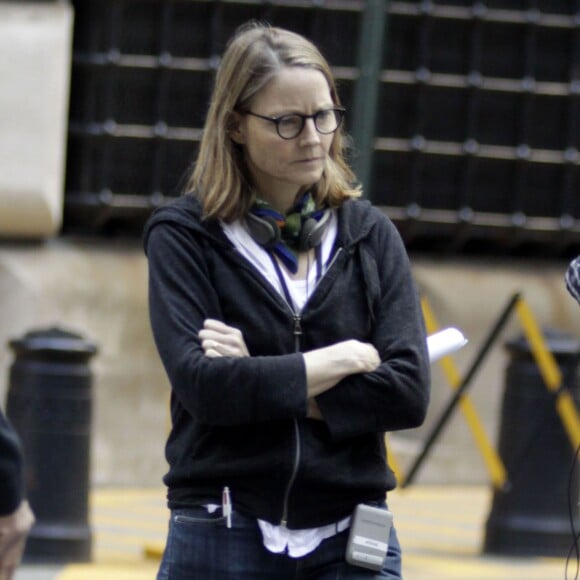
<point x="35" y="44"/>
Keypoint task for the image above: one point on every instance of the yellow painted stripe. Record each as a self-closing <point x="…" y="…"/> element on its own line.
<point x="129" y="501"/>
<point x="154" y="551"/>
<point x="128" y="522"/>
<point x="550" y="372"/>
<point x="117" y="556"/>
<point x="443" y="530"/>
<point x="393" y="461"/>
<point x="142" y="571"/>
<point x="546" y="361"/>
<point x="126" y="539"/>
<point x="436" y="568"/>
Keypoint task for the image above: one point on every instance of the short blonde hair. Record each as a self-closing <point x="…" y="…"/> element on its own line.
<point x="254" y="55"/>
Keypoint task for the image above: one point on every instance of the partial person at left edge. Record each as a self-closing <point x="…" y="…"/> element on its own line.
<point x="16" y="517"/>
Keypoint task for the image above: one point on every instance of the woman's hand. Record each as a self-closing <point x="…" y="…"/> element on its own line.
<point x="14" y="529"/>
<point x="219" y="339"/>
<point x="327" y="366"/>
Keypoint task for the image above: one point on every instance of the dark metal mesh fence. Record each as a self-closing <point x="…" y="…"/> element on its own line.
<point x="477" y="135"/>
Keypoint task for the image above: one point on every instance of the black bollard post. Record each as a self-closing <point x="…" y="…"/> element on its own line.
<point x="49" y="402"/>
<point x="532" y="515"/>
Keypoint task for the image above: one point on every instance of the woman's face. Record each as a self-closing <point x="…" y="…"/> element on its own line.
<point x="281" y="168"/>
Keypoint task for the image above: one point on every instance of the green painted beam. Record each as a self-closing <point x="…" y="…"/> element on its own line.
<point x="372" y="37"/>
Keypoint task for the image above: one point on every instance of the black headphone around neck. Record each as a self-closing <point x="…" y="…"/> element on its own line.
<point x="266" y="232"/>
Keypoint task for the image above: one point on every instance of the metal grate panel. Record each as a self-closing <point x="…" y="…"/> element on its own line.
<point x="478" y="139"/>
<point x="477" y="127"/>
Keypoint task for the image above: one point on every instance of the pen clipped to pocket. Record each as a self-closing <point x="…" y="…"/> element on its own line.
<point x="227" y="506"/>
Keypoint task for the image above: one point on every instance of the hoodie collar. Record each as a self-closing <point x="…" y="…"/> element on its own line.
<point x="355" y="220"/>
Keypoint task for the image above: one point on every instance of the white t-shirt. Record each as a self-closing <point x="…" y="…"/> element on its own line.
<point x="280" y="539"/>
<point x="299" y="290"/>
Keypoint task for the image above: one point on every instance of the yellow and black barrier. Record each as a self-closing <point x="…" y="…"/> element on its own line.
<point x="549" y="370"/>
<point x="490" y="456"/>
<point x="534" y="515"/>
<point x="458" y="396"/>
<point x="565" y="405"/>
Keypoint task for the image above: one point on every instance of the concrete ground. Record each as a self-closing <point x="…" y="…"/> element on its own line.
<point x="441" y="530"/>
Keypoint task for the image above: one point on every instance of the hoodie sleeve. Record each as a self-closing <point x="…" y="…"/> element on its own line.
<point x="11" y="483"/>
<point x="396" y="395"/>
<point x="223" y="391"/>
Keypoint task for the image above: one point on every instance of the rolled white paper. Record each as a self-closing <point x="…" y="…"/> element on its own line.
<point x="445" y="342"/>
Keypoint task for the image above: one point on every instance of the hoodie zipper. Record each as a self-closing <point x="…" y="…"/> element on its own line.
<point x="290" y="485"/>
<point x="297" y="332"/>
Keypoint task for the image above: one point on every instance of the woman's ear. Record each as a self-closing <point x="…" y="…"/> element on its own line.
<point x="235" y="129"/>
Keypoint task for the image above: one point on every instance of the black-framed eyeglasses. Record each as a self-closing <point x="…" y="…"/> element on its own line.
<point x="290" y="126"/>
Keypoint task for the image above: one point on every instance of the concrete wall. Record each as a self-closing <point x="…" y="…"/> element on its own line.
<point x="98" y="289"/>
<point x="36" y="46"/>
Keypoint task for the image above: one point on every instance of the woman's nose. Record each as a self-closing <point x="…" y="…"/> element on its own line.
<point x="309" y="133"/>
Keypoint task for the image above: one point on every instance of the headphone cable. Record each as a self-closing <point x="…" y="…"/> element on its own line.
<point x="572" y="497"/>
<point x="575" y="535"/>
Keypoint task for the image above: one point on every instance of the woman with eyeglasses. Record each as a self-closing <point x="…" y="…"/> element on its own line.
<point x="286" y="316"/>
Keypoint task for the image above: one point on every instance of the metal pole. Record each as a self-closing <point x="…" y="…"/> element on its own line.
<point x="370" y="49"/>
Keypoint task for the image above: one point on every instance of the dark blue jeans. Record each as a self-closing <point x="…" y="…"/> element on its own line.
<point x="201" y="547"/>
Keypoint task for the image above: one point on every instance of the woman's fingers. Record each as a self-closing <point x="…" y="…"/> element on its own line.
<point x="212" y="353"/>
<point x="219" y="339"/>
<point x="218" y="326"/>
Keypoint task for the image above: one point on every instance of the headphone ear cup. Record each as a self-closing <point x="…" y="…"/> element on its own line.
<point x="306" y="232"/>
<point x="264" y="230"/>
<point x="312" y="231"/>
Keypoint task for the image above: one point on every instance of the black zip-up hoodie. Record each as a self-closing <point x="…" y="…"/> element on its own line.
<point x="242" y="422"/>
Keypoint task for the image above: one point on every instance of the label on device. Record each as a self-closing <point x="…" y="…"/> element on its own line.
<point x="370" y="543"/>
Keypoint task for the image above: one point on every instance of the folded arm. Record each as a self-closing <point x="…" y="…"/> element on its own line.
<point x="325" y="367"/>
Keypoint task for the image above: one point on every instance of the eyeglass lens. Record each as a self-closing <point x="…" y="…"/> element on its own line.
<point x="326" y="121"/>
